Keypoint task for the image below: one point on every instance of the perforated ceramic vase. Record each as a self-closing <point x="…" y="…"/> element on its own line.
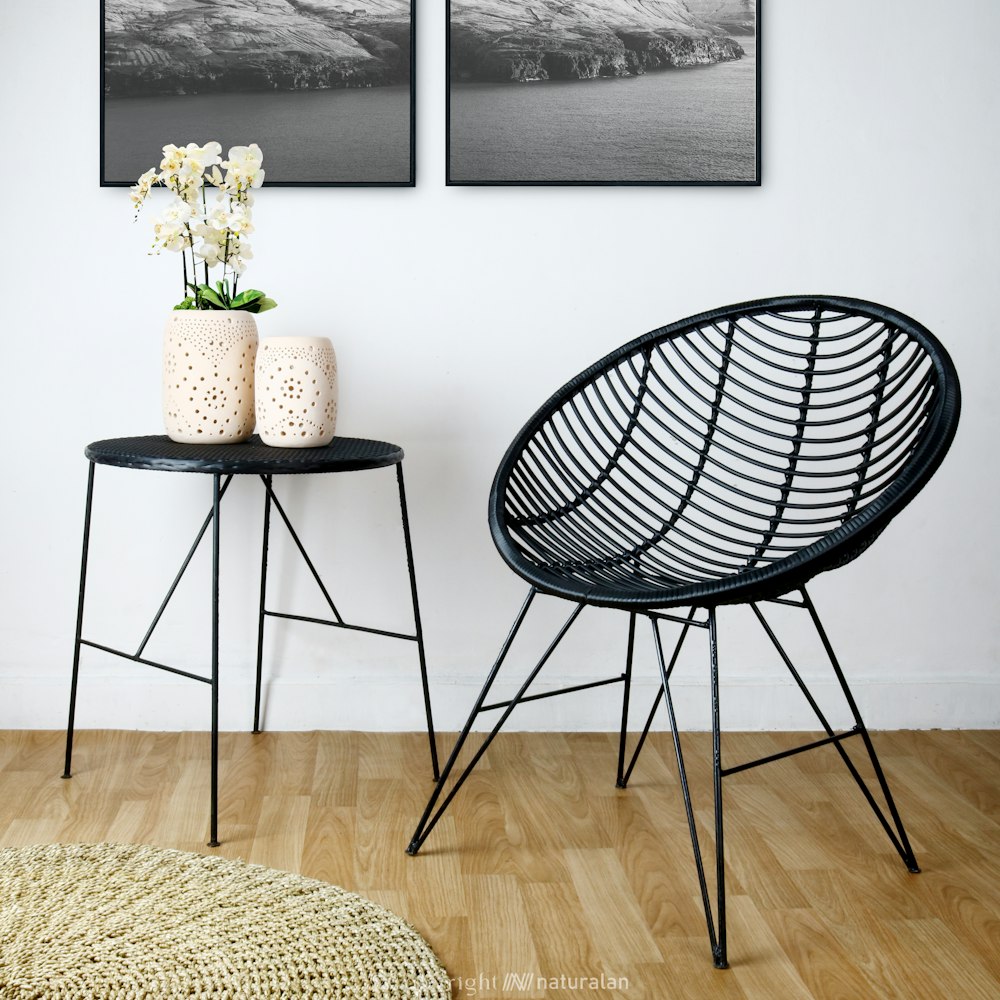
<point x="208" y="366"/>
<point x="296" y="392"/>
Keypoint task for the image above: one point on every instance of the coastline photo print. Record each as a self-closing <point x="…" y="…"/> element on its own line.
<point x="603" y="92"/>
<point x="325" y="87"/>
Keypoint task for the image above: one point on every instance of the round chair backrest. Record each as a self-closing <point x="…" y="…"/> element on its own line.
<point x="727" y="457"/>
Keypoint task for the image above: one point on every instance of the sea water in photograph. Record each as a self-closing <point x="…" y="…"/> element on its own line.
<point x="603" y="91"/>
<point x="322" y="85"/>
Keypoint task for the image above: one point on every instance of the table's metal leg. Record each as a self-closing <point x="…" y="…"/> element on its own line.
<point x="418" y="630"/>
<point x="79" y="623"/>
<point x="180" y="574"/>
<point x="214" y="819"/>
<point x="263" y="598"/>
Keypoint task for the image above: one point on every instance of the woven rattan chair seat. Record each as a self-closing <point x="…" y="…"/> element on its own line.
<point x="728" y="457"/>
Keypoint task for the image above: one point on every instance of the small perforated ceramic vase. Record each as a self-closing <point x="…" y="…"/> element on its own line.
<point x="296" y="392"/>
<point x="208" y="365"/>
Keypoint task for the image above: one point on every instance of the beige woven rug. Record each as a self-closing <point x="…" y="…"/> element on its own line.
<point x="121" y="922"/>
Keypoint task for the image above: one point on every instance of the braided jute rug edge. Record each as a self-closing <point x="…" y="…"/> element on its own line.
<point x="131" y="922"/>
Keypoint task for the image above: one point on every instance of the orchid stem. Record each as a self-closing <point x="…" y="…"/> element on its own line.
<point x="204" y="205"/>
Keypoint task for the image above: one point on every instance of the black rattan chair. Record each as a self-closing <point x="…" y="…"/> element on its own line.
<point x="724" y="459"/>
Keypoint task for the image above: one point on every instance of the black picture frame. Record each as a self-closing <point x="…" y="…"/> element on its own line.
<point x="117" y="176"/>
<point x="451" y="180"/>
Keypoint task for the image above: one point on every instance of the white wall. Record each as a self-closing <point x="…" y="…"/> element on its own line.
<point x="455" y="312"/>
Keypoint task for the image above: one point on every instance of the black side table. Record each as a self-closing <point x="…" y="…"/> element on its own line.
<point x="222" y="462"/>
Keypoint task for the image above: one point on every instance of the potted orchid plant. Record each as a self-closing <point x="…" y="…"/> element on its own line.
<point x="210" y="342"/>
<point x="207" y="235"/>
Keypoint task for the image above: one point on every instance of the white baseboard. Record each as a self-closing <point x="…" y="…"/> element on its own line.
<point x="387" y="704"/>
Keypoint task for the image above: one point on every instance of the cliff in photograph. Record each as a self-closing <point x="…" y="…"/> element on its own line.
<point x="157" y="47"/>
<point x="737" y="17"/>
<point x="519" y="40"/>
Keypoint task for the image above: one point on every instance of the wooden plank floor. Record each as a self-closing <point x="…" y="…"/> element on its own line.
<point x="543" y="867"/>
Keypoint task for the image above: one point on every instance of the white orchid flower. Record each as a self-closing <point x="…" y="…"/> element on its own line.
<point x="178" y="212"/>
<point x="210" y="253"/>
<point x="169" y="236"/>
<point x="171" y="229"/>
<point x="239" y="220"/>
<point x="198" y="159"/>
<point x="209" y="234"/>
<point x="239" y="253"/>
<point x="247" y="157"/>
<point x="142" y="188"/>
<point x="218" y="216"/>
<point x="211" y="150"/>
<point x="177" y="243"/>
<point x="244" y="168"/>
<point x="172" y="159"/>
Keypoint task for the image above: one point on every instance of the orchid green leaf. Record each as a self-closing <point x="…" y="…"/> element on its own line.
<point x="211" y="297"/>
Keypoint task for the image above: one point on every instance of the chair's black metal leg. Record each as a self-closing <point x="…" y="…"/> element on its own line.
<point x="718" y="956"/>
<point x="656" y="702"/>
<point x="67" y="768"/>
<point x="903" y="844"/>
<point x="904" y="852"/>
<point x="641" y="742"/>
<point x="418" y="629"/>
<point x="424" y="826"/>
<point x="214" y="817"/>
<point x="261" y="616"/>
<point x="429" y="821"/>
<point x="719" y="952"/>
<point x="620" y="782"/>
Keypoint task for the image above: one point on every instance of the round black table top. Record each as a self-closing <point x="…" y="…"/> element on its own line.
<point x="157" y="451"/>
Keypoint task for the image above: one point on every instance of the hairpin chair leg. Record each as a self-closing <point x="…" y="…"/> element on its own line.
<point x="719" y="951"/>
<point x="623" y="780"/>
<point x="430" y="817"/>
<point x="427" y="822"/>
<point x="620" y="782"/>
<point x="717" y="939"/>
<point x="897" y="835"/>
<point x="902" y="844"/>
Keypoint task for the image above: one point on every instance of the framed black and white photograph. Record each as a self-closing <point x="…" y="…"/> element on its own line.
<point x="325" y="87"/>
<point x="603" y="92"/>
